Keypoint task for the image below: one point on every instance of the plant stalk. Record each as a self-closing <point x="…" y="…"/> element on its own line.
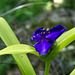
<point x="47" y="66"/>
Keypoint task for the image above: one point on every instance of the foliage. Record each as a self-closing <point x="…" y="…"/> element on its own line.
<point x="9" y="38"/>
<point x="62" y="41"/>
<point x="29" y="12"/>
<point x="69" y="4"/>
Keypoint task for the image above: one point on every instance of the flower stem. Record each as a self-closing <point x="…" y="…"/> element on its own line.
<point x="47" y="66"/>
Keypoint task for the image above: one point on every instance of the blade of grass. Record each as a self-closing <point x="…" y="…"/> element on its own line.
<point x="73" y="72"/>
<point x="62" y="42"/>
<point x="21" y="6"/>
<point x="9" y="38"/>
<point x="18" y="49"/>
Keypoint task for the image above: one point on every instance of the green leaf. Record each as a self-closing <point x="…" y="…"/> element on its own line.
<point x="22" y="6"/>
<point x="65" y="39"/>
<point x="62" y="42"/>
<point x="73" y="72"/>
<point x="9" y="39"/>
<point x="18" y="49"/>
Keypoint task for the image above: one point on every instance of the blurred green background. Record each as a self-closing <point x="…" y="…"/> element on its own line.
<point x="24" y="17"/>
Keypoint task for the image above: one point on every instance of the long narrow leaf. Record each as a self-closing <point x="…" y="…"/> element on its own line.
<point x="18" y="49"/>
<point x="9" y="39"/>
<point x="21" y="6"/>
<point x="73" y="72"/>
<point x="62" y="42"/>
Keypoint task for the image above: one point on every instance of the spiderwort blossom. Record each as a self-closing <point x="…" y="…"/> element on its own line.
<point x="46" y="38"/>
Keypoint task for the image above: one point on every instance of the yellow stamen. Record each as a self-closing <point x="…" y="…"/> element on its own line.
<point x="37" y="34"/>
<point x="49" y="32"/>
<point x="43" y="29"/>
<point x="43" y="32"/>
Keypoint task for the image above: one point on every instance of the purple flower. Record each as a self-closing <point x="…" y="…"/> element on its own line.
<point x="46" y="38"/>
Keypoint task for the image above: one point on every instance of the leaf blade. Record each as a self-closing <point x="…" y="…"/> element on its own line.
<point x="18" y="49"/>
<point x="9" y="39"/>
<point x="62" y="42"/>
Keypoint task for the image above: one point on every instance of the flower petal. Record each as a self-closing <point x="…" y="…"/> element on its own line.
<point x="43" y="47"/>
<point x="55" y="32"/>
<point x="37" y="35"/>
<point x="39" y="30"/>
